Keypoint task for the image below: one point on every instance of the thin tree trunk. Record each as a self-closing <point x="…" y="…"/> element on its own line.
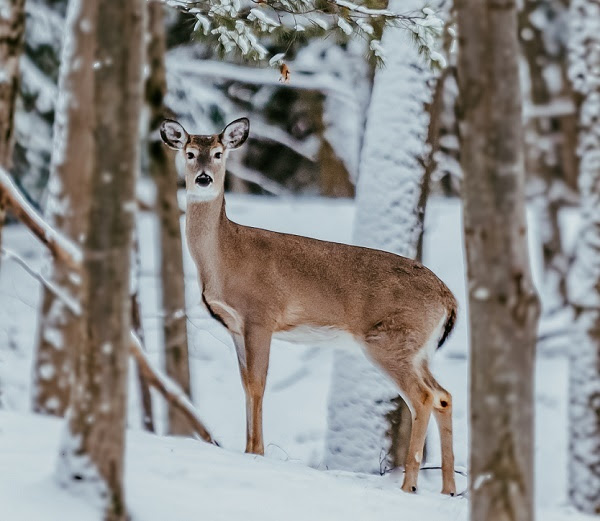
<point x="433" y="136"/>
<point x="503" y="306"/>
<point x="542" y="148"/>
<point x="162" y="170"/>
<point x="92" y="451"/>
<point x="584" y="280"/>
<point x="12" y="30"/>
<point x="59" y="330"/>
<point x="137" y="328"/>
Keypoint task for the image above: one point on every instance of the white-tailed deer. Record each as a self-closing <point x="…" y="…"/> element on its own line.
<point x="261" y="284"/>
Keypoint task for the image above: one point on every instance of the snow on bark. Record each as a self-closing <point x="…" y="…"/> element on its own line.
<point x="584" y="279"/>
<point x="390" y="176"/>
<point x="66" y="207"/>
<point x="391" y="167"/>
<point x="39" y="64"/>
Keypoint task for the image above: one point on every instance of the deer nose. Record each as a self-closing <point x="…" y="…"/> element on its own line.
<point x="203" y="179"/>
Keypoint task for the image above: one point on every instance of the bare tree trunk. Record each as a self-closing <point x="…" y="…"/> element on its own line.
<point x="92" y="451"/>
<point x="503" y="306"/>
<point x="12" y="30"/>
<point x="162" y="169"/>
<point x="60" y="330"/>
<point x="584" y="280"/>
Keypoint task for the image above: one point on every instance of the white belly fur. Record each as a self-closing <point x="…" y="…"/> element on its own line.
<point x="321" y="336"/>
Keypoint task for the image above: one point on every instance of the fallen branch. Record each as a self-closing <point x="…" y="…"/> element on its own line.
<point x="169" y="389"/>
<point x="62" y="249"/>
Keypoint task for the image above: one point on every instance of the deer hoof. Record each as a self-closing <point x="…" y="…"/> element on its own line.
<point x="411" y="489"/>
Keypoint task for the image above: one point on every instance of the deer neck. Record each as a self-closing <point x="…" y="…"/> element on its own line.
<point x="207" y="228"/>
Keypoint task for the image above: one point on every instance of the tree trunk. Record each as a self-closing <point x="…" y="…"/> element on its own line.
<point x="60" y="330"/>
<point x="137" y="328"/>
<point x="584" y="280"/>
<point x="162" y="170"/>
<point x="12" y="29"/>
<point x="363" y="435"/>
<point x="92" y="452"/>
<point x="543" y="148"/>
<point x="503" y="306"/>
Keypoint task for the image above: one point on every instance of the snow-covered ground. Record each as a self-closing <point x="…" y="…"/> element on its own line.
<point x="183" y="479"/>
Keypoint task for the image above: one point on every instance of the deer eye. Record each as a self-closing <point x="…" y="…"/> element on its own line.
<point x="218" y="155"/>
<point x="190" y="155"/>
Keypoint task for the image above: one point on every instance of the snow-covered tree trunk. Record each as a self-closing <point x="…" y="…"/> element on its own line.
<point x="584" y="280"/>
<point x="92" y="450"/>
<point x="540" y="25"/>
<point x="60" y="330"/>
<point x="162" y="170"/>
<point x="391" y="172"/>
<point x="12" y="29"/>
<point x="503" y="306"/>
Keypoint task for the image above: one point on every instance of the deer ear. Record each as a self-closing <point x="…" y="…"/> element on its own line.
<point x="234" y="134"/>
<point x="173" y="134"/>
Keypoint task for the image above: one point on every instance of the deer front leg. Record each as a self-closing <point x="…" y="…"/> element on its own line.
<point x="253" y="356"/>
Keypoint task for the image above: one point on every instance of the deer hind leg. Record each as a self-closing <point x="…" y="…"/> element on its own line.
<point x="403" y="361"/>
<point x="420" y="399"/>
<point x="253" y="357"/>
<point x="442" y="411"/>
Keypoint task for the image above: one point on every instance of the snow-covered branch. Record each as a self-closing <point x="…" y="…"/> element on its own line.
<point x="169" y="389"/>
<point x="70" y="302"/>
<point x="61" y="248"/>
<point x="178" y="62"/>
<point x="237" y="26"/>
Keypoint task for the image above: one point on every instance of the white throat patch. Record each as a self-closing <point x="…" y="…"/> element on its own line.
<point x="203" y="193"/>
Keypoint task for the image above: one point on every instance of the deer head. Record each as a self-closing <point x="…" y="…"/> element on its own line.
<point x="203" y="157"/>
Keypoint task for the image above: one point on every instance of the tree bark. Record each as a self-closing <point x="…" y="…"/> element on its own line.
<point x="12" y="30"/>
<point x="92" y="451"/>
<point x="503" y="306"/>
<point x="584" y="279"/>
<point x="162" y="170"/>
<point x="60" y="330"/>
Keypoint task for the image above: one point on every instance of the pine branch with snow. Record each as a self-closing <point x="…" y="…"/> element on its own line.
<point x="249" y="27"/>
